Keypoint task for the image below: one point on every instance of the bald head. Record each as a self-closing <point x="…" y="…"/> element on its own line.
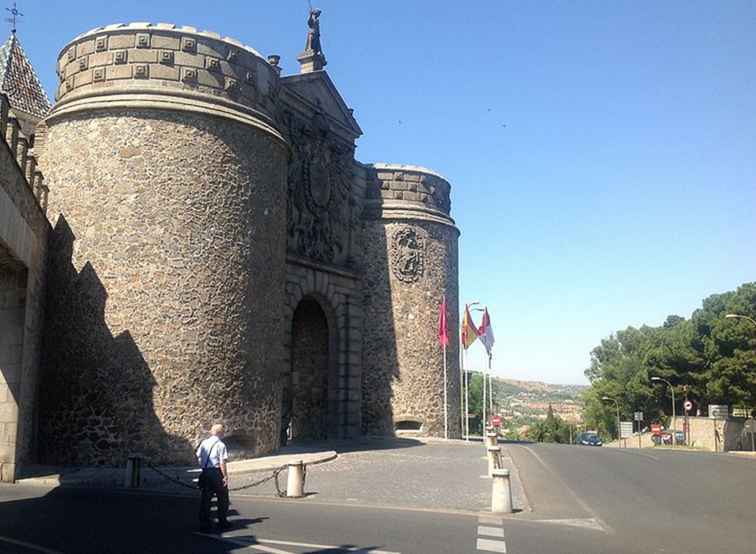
<point x="217" y="430"/>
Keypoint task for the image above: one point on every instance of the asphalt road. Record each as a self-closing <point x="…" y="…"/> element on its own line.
<point x="582" y="500"/>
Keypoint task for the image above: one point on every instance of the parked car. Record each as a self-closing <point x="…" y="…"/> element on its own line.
<point x="588" y="439"/>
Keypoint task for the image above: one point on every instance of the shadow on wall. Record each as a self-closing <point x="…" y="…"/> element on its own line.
<point x="96" y="389"/>
<point x="380" y="362"/>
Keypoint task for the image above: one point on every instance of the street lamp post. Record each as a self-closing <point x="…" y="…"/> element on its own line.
<point x="674" y="416"/>
<point x="739" y="316"/>
<point x="619" y="434"/>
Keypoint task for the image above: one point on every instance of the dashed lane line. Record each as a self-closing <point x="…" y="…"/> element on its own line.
<point x="29" y="545"/>
<point x="490" y="531"/>
<point x="488" y="545"/>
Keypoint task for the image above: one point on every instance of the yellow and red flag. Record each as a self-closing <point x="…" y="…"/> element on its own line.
<point x="469" y="331"/>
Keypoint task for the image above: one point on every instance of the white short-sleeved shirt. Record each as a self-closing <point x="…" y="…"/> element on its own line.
<point x="213" y="447"/>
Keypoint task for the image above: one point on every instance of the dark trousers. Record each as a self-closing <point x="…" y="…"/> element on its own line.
<point x="213" y="485"/>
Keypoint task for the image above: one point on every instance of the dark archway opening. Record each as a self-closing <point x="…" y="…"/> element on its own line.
<point x="306" y="397"/>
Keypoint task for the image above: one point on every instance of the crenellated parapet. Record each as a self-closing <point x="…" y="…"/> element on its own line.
<point x="21" y="151"/>
<point x="392" y="187"/>
<point x="166" y="66"/>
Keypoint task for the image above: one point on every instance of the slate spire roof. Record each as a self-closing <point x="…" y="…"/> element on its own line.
<point x="19" y="81"/>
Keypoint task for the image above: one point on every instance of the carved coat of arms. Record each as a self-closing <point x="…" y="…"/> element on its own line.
<point x="407" y="254"/>
<point x="319" y="203"/>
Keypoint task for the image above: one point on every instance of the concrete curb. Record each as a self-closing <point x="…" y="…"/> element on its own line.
<point x="113" y="477"/>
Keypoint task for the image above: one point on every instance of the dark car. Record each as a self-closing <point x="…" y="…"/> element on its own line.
<point x="588" y="439"/>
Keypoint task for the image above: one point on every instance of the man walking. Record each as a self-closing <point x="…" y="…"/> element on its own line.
<point x="213" y="480"/>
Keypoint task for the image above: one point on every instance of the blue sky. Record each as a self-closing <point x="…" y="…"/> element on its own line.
<point x="601" y="154"/>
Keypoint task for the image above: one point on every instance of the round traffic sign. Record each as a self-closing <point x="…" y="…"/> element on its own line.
<point x="688" y="405"/>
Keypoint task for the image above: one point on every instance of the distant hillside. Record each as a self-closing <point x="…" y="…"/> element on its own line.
<point x="524" y="402"/>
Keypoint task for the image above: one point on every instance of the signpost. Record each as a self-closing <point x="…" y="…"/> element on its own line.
<point x="638" y="416"/>
<point x="718" y="411"/>
<point x="656" y="428"/>
<point x="496" y="421"/>
<point x="688" y="405"/>
<point x="626" y="430"/>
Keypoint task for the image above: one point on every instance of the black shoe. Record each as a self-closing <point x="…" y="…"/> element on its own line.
<point x="223" y="525"/>
<point x="205" y="528"/>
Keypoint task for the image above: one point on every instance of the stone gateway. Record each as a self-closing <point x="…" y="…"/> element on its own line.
<point x="215" y="251"/>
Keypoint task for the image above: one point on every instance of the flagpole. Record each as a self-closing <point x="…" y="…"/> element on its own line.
<point x="483" y="426"/>
<point x="467" y="395"/>
<point x="490" y="385"/>
<point x="446" y="400"/>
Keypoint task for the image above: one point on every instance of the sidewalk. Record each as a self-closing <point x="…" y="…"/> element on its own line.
<point x="401" y="473"/>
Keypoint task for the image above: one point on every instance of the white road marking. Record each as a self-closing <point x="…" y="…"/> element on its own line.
<point x="490" y="531"/>
<point x="324" y="546"/>
<point x="491" y="546"/>
<point x="491" y="520"/>
<point x="259" y="544"/>
<point x="29" y="545"/>
<point x="586" y="523"/>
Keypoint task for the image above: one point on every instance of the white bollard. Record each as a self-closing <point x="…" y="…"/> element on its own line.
<point x="295" y="480"/>
<point x="501" y="492"/>
<point x="492" y="439"/>
<point x="494" y="452"/>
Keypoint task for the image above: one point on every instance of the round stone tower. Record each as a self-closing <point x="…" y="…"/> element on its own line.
<point x="169" y="268"/>
<point x="410" y="262"/>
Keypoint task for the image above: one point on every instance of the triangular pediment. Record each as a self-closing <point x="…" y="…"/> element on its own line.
<point x="318" y="91"/>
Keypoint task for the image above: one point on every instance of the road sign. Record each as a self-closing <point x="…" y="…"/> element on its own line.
<point x="656" y="428"/>
<point x="718" y="411"/>
<point x="496" y="421"/>
<point x="638" y="416"/>
<point x="626" y="429"/>
<point x="688" y="405"/>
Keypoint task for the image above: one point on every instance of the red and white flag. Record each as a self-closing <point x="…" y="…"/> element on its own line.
<point x="443" y="330"/>
<point x="485" y="332"/>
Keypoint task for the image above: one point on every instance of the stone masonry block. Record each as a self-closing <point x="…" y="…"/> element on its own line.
<point x="167" y="42"/>
<point x="208" y="79"/>
<point x="119" y="72"/>
<point x="125" y="40"/>
<point x="189" y="60"/>
<point x="158" y="71"/>
<point x="84" y="78"/>
<point x="100" y="58"/>
<point x="85" y="48"/>
<point x="143" y="56"/>
<point x="209" y="48"/>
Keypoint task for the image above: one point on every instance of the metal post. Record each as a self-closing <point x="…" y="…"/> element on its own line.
<point x="446" y="400"/>
<point x="753" y="428"/>
<point x="484" y="424"/>
<point x="674" y="418"/>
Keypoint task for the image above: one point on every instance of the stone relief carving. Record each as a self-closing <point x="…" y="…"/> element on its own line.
<point x="407" y="254"/>
<point x="320" y="209"/>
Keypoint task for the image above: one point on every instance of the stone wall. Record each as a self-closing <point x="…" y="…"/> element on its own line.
<point x="410" y="263"/>
<point x="23" y="252"/>
<point x="169" y="272"/>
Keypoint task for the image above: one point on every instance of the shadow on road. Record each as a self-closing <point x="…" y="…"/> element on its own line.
<point x="107" y="522"/>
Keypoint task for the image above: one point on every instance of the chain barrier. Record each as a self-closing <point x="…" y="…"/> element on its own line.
<point x="273" y="476"/>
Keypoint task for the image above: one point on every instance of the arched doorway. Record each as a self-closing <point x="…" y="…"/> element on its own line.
<point x="306" y="392"/>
